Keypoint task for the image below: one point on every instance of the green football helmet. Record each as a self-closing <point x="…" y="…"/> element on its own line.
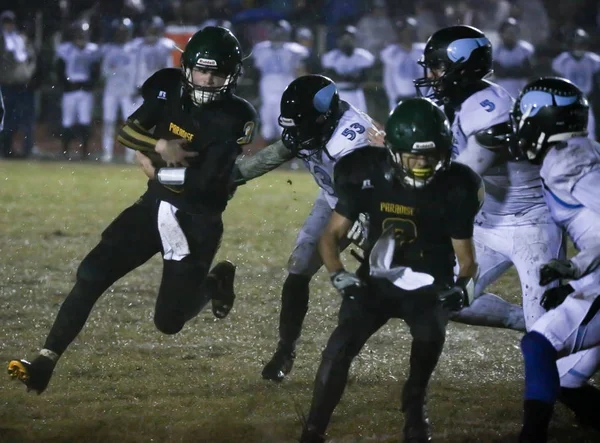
<point x="216" y="49"/>
<point x="419" y="138"/>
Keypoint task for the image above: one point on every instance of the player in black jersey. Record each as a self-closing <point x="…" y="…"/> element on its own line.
<point x="192" y="107"/>
<point x="421" y="208"/>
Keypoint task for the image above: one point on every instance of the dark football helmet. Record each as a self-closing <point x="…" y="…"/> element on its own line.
<point x="214" y="48"/>
<point x="455" y="58"/>
<point x="418" y="127"/>
<point x="548" y="110"/>
<point x="309" y="113"/>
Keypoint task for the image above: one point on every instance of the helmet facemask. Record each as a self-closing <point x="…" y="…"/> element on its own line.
<point x="309" y="138"/>
<point x="201" y="95"/>
<point x="417" y="170"/>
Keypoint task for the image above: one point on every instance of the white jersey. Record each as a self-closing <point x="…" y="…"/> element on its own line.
<point x="78" y="61"/>
<point x="152" y="57"/>
<point x="571" y="175"/>
<point x="400" y="67"/>
<point x="118" y="68"/>
<point x="511" y="188"/>
<point x="278" y="65"/>
<point x="510" y="58"/>
<point x="347" y="65"/>
<point x="349" y="135"/>
<point x="580" y="71"/>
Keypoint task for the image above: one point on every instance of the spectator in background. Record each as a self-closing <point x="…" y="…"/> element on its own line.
<point x="533" y="17"/>
<point x="347" y="65"/>
<point x="489" y="16"/>
<point x="426" y="18"/>
<point x="278" y="62"/>
<point x="17" y="67"/>
<point x="375" y="31"/>
<point x="400" y="59"/>
<point x="579" y="66"/>
<point x="1" y="112"/>
<point x="512" y="57"/>
<point x="312" y="64"/>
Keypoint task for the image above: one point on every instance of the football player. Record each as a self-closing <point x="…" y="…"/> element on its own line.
<point x="154" y="52"/>
<point x="347" y="65"/>
<point x="400" y="62"/>
<point x="550" y="121"/>
<point x="514" y="226"/>
<point x="118" y="66"/>
<point x="320" y="129"/>
<point x="421" y="208"/>
<point x="512" y="58"/>
<point x="278" y="61"/>
<point x="78" y="70"/>
<point x="579" y="66"/>
<point x="179" y="218"/>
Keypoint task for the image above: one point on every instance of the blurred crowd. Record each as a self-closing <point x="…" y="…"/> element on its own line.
<point x="369" y="47"/>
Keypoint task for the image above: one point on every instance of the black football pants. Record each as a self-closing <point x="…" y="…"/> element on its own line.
<point x="427" y="321"/>
<point x="128" y="242"/>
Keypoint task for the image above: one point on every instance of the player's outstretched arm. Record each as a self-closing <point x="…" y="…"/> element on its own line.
<point x="263" y="161"/>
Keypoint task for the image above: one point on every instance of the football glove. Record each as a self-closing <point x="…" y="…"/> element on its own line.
<point x="348" y="284"/>
<point x="555" y="269"/>
<point x="458" y="296"/>
<point x="359" y="232"/>
<point x="553" y="297"/>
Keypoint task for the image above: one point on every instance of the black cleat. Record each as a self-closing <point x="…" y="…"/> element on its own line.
<point x="35" y="375"/>
<point x="280" y="365"/>
<point x="311" y="435"/>
<point x="219" y="287"/>
<point x="417" y="428"/>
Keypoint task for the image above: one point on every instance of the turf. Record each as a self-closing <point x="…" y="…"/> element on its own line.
<point x="123" y="381"/>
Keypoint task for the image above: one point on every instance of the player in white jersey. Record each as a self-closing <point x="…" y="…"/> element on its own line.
<point x="512" y="58"/>
<point x="579" y="66"/>
<point x="154" y="52"/>
<point x="550" y="119"/>
<point x="514" y="226"/>
<point x="400" y="65"/>
<point x="278" y="62"/>
<point x="77" y="68"/>
<point x="118" y="69"/>
<point x="347" y="65"/>
<point x="320" y="129"/>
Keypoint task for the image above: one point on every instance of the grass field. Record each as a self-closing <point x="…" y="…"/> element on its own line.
<point x="122" y="381"/>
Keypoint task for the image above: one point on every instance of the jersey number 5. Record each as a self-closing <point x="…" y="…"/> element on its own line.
<point x="350" y="134"/>
<point x="488" y="105"/>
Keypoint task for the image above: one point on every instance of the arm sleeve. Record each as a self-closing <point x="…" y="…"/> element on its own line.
<point x="586" y="189"/>
<point x="264" y="161"/>
<point x="136" y="132"/>
<point x="61" y="69"/>
<point x="475" y="156"/>
<point x="587" y="261"/>
<point x="464" y="202"/>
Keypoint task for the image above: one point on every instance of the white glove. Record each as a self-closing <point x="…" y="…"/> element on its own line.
<point x="359" y="232"/>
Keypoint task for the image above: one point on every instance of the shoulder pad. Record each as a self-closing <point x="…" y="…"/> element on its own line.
<point x="466" y="183"/>
<point x="495" y="137"/>
<point x="527" y="46"/>
<point x="484" y="109"/>
<point x="360" y="164"/>
<point x="161" y="81"/>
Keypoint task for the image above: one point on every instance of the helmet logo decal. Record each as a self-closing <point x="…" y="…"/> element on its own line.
<point x="533" y="101"/>
<point x="460" y="50"/>
<point x="286" y="122"/>
<point x="206" y="62"/>
<point x="323" y="97"/>
<point x="423" y="145"/>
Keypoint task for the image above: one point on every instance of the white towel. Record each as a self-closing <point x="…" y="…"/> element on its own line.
<point x="15" y="43"/>
<point x="380" y="262"/>
<point x="175" y="245"/>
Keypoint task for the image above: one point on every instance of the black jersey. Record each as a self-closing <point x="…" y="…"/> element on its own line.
<point x="216" y="130"/>
<point x="424" y="220"/>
